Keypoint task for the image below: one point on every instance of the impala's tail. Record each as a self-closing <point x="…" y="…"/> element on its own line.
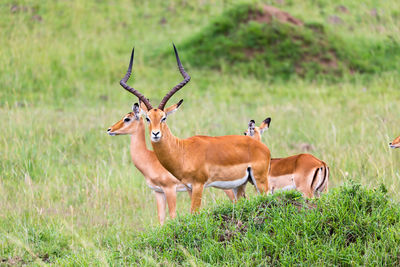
<point x="325" y="184"/>
<point x="316" y="176"/>
<point x="320" y="179"/>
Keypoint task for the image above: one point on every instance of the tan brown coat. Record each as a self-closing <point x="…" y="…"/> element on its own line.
<point x="302" y="172"/>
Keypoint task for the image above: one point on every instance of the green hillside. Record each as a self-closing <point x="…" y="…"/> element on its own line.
<point x="264" y="41"/>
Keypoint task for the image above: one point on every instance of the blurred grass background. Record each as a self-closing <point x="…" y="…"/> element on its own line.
<point x="66" y="186"/>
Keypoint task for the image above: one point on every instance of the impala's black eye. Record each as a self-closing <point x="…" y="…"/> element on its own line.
<point x="245" y="133"/>
<point x="147" y="119"/>
<point x="127" y="120"/>
<point x="164" y="119"/>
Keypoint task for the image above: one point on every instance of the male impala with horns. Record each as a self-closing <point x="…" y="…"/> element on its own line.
<point x="226" y="162"/>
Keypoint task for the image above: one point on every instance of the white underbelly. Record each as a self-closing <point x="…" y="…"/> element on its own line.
<point x="283" y="182"/>
<point x="288" y="187"/>
<point x="156" y="188"/>
<point x="228" y="184"/>
<point x="183" y="188"/>
<point x="179" y="188"/>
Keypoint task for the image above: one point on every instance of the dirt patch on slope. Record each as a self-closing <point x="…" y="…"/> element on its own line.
<point x="268" y="13"/>
<point x="232" y="227"/>
<point x="14" y="261"/>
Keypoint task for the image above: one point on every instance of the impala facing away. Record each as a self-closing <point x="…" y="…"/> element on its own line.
<point x="225" y="162"/>
<point x="302" y="172"/>
<point x="163" y="183"/>
<point x="395" y="143"/>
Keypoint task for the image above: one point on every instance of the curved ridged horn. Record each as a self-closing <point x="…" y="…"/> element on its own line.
<point x="186" y="79"/>
<point x="130" y="89"/>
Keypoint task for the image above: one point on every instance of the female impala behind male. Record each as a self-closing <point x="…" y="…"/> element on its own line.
<point x="302" y="172"/>
<point x="163" y="183"/>
<point x="225" y="162"/>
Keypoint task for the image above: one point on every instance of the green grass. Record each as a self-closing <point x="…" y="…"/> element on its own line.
<point x="69" y="193"/>
<point x="348" y="226"/>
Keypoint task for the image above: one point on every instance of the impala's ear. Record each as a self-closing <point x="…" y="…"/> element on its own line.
<point x="143" y="107"/>
<point x="252" y="124"/>
<point x="250" y="129"/>
<point x="136" y="110"/>
<point x="173" y="108"/>
<point x="265" y="125"/>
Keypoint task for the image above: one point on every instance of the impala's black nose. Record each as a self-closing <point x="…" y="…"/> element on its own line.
<point x="390" y="144"/>
<point x="109" y="129"/>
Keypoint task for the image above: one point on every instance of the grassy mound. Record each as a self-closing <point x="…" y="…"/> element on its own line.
<point x="350" y="225"/>
<point x="263" y="40"/>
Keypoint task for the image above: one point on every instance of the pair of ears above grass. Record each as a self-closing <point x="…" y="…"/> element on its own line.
<point x="263" y="126"/>
<point x="171" y="109"/>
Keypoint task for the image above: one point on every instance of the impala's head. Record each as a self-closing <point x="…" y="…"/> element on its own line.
<point x="395" y="143"/>
<point x="156" y="117"/>
<point x="128" y="124"/>
<point x="256" y="132"/>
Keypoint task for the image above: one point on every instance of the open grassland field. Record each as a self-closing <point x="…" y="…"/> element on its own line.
<point x="69" y="193"/>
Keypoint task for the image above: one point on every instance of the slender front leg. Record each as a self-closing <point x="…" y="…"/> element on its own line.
<point x="160" y="197"/>
<point x="197" y="192"/>
<point x="170" y="194"/>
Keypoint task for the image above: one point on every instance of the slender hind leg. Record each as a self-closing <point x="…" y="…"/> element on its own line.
<point x="260" y="180"/>
<point x="230" y="194"/>
<point x="170" y="194"/>
<point x="241" y="191"/>
<point x="160" y="197"/>
<point x="190" y="193"/>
